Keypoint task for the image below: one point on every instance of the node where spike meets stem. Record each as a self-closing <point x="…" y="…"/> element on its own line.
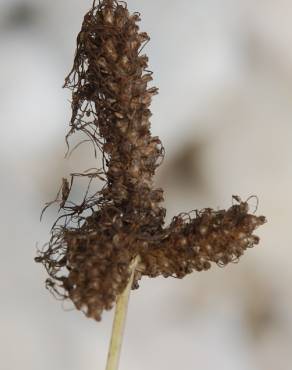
<point x="119" y="322"/>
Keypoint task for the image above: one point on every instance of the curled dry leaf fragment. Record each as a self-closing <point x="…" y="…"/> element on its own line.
<point x="92" y="244"/>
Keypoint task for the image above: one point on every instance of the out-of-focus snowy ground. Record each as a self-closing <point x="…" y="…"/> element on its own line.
<point x="224" y="69"/>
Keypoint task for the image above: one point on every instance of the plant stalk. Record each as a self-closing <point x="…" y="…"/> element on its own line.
<point x="119" y="322"/>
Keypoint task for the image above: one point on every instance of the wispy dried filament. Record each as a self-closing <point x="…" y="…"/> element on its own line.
<point x="88" y="257"/>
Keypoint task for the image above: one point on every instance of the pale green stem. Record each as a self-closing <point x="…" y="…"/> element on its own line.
<point x="119" y="322"/>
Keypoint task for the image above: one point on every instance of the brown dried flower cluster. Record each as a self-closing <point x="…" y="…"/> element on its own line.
<point x="93" y="243"/>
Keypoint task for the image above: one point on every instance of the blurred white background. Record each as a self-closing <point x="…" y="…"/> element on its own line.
<point x="224" y="115"/>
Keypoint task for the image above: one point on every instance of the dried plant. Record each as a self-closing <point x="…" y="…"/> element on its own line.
<point x="93" y="243"/>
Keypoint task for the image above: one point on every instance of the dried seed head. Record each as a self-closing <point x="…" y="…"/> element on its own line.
<point x="93" y="243"/>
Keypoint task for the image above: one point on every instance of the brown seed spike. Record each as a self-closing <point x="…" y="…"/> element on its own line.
<point x="93" y="244"/>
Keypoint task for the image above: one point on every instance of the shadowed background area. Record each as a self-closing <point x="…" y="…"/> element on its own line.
<point x="224" y="116"/>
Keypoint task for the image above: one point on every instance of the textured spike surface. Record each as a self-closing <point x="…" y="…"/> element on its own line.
<point x="93" y="243"/>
